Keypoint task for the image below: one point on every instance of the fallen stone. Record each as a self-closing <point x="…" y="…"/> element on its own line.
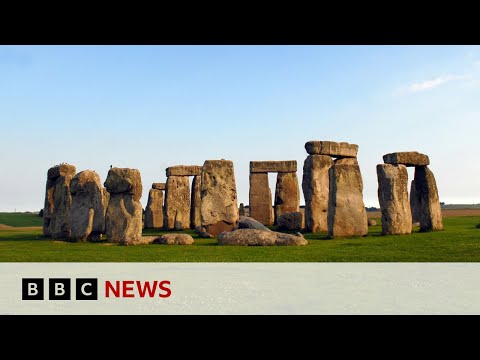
<point x="332" y="148"/>
<point x="174" y="239"/>
<point x="287" y="166"/>
<point x="407" y="158"/>
<point x="246" y="222"/>
<point x="87" y="216"/>
<point x="219" y="207"/>
<point x="315" y="186"/>
<point x="184" y="170"/>
<point x="290" y="221"/>
<point x="393" y="199"/>
<point x="372" y="222"/>
<point x="253" y="237"/>
<point x="201" y="232"/>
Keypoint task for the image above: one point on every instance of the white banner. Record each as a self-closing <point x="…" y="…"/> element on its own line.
<point x="240" y="288"/>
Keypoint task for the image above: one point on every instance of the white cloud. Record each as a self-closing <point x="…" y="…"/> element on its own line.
<point x="428" y="84"/>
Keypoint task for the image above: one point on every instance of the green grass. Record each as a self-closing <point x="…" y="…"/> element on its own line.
<point x="20" y="219"/>
<point x="460" y="242"/>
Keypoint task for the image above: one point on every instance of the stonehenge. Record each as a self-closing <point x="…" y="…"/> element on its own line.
<point x="123" y="220"/>
<point x="58" y="202"/>
<point x="182" y="208"/>
<point x="218" y="204"/>
<point x="78" y="208"/>
<point x="287" y="194"/>
<point x="399" y="212"/>
<point x="87" y="213"/>
<point x="154" y="209"/>
<point x="333" y="189"/>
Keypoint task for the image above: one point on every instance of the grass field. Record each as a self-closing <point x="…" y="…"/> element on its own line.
<point x="460" y="242"/>
<point x="20" y="219"/>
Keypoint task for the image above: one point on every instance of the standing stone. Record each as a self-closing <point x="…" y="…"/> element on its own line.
<point x="154" y="210"/>
<point x="287" y="194"/>
<point x="241" y="210"/>
<point x="393" y="199"/>
<point x="429" y="203"/>
<point x="87" y="217"/>
<point x="58" y="201"/>
<point x="123" y="221"/>
<point x="315" y="187"/>
<point x="346" y="210"/>
<point x="195" y="219"/>
<point x="219" y="207"/>
<point x="414" y="203"/>
<point x="105" y="199"/>
<point x="260" y="199"/>
<point x="177" y="203"/>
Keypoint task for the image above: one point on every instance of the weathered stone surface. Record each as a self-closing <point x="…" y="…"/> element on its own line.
<point x="315" y="185"/>
<point x="174" y="239"/>
<point x="195" y="219"/>
<point x="290" y="221"/>
<point x="246" y="222"/>
<point x="346" y="210"/>
<point x="124" y="181"/>
<point x="202" y="232"/>
<point x="286" y="166"/>
<point x="159" y="186"/>
<point x="372" y="222"/>
<point x="60" y="170"/>
<point x="407" y="158"/>
<point x="241" y="210"/>
<point x="393" y="199"/>
<point x="287" y="194"/>
<point x="253" y="237"/>
<point x="219" y="207"/>
<point x="184" y="170"/>
<point x="123" y="220"/>
<point x="87" y="216"/>
<point x="260" y="199"/>
<point x="414" y="203"/>
<point x="332" y="148"/>
<point x="154" y="210"/>
<point x="58" y="201"/>
<point x="427" y="197"/>
<point x="177" y="203"/>
<point x="346" y="161"/>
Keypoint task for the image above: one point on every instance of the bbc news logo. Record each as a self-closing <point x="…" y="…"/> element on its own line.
<point x="87" y="289"/>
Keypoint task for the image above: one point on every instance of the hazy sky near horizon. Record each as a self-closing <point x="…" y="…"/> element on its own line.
<point x="150" y="107"/>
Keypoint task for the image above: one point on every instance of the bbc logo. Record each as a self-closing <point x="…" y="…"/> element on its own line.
<point x="59" y="289"/>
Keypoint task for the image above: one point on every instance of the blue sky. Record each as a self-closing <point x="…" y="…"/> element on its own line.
<point x="150" y="107"/>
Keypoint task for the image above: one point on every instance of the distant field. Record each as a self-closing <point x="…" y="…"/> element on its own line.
<point x="20" y="219"/>
<point x="445" y="213"/>
<point x="460" y="242"/>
